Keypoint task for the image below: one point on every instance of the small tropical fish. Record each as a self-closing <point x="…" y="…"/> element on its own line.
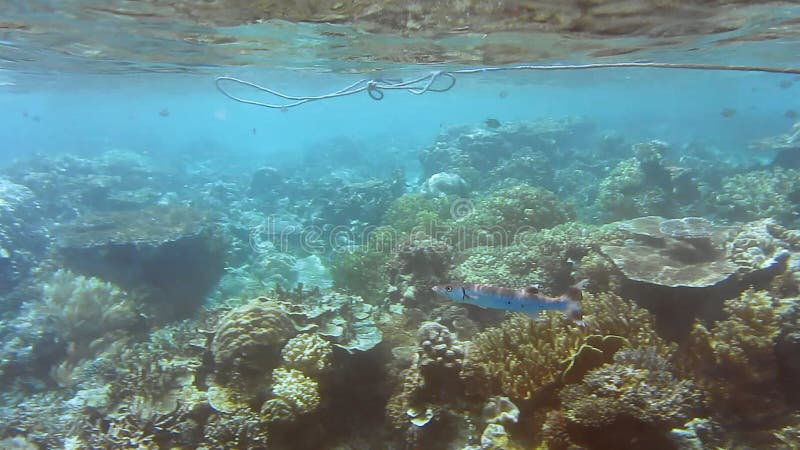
<point x="728" y="112"/>
<point x="164" y="112"/>
<point x="527" y="301"/>
<point x="790" y="114"/>
<point x="492" y="123"/>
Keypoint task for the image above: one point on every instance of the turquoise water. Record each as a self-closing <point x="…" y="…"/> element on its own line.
<point x="181" y="270"/>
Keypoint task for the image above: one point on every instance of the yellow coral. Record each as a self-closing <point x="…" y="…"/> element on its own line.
<point x="243" y="332"/>
<point x="735" y="361"/>
<point x="308" y="352"/>
<point x="297" y="390"/>
<point x="525" y="355"/>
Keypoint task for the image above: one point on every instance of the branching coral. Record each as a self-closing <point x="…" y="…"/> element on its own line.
<point x="759" y="194"/>
<point x="735" y="359"/>
<point x="638" y="386"/>
<point x="522" y="356"/>
<point x="506" y="212"/>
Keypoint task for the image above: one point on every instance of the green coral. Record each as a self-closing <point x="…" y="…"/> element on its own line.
<point x="639" y="386"/>
<point x="759" y="194"/>
<point x="544" y="256"/>
<point x="415" y="212"/>
<point x="361" y="272"/>
<point x="497" y="219"/>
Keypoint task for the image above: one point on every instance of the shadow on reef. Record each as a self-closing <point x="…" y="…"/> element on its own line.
<point x="170" y="253"/>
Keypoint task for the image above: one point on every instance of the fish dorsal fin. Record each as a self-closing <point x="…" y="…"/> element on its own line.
<point x="532" y="290"/>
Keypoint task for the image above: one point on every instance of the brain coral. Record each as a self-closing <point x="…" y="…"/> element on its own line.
<point x="246" y="333"/>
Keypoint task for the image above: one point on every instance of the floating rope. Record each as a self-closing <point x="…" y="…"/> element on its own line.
<point x="375" y="87"/>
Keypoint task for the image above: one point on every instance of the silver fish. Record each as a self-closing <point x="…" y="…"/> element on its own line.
<point x="527" y="301"/>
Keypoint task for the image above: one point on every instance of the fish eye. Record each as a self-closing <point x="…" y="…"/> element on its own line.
<point x="448" y="288"/>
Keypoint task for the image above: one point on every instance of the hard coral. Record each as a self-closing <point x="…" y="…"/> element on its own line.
<point x="297" y="390"/>
<point x="249" y="334"/>
<point x="639" y="186"/>
<point x="523" y="356"/>
<point x="507" y="212"/>
<point x="760" y="194"/>
<point x="308" y="352"/>
<point x="639" y="386"/>
<point x="736" y="362"/>
<point x="416" y="212"/>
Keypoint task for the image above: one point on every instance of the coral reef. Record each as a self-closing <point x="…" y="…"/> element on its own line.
<point x="361" y="272"/>
<point x="295" y="394"/>
<point x="551" y="258"/>
<point x="507" y="212"/>
<point x="418" y="262"/>
<point x="443" y="184"/>
<point x="249" y="335"/>
<point x="638" y="386"/>
<point x="524" y="357"/>
<point x="308" y="352"/>
<point x="760" y="194"/>
<point x="23" y="234"/>
<point x="416" y="212"/>
<point x="735" y="360"/>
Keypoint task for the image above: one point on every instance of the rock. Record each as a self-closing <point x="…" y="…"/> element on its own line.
<point x="444" y="183"/>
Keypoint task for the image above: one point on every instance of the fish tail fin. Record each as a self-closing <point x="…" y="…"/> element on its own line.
<point x="574" y="313"/>
<point x="573" y="296"/>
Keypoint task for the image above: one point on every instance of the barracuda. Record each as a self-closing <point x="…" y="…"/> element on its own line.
<point x="527" y="301"/>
